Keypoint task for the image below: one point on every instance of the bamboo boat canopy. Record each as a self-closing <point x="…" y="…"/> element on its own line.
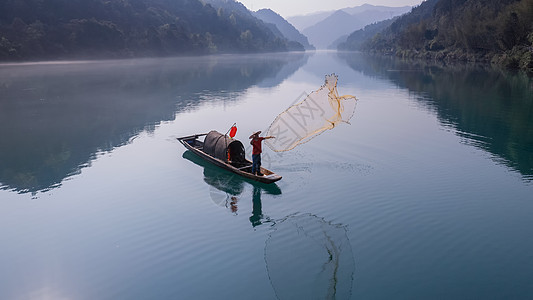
<point x="223" y="147"/>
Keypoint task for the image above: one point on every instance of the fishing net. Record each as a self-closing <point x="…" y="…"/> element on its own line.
<point x="309" y="258"/>
<point x="321" y="110"/>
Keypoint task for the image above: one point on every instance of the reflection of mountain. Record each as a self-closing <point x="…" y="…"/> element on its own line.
<point x="54" y="118"/>
<point x="490" y="109"/>
<point x="285" y="71"/>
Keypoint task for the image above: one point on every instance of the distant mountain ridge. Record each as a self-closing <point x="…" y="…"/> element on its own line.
<point x="324" y="32"/>
<point x="304" y="21"/>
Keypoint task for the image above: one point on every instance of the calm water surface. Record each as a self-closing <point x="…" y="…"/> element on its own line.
<point x="427" y="194"/>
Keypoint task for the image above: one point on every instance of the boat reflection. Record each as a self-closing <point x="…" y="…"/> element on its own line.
<point x="227" y="187"/>
<point x="306" y="256"/>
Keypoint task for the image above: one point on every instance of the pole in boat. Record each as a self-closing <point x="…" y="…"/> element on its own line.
<point x="232" y="131"/>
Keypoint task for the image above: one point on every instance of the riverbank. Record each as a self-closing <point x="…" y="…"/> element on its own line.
<point x="519" y="58"/>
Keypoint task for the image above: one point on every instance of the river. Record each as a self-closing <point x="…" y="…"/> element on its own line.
<point x="426" y="193"/>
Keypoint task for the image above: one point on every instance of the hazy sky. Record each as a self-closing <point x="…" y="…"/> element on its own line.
<point x="288" y="8"/>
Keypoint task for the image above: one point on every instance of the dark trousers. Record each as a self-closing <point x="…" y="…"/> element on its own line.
<point x="256" y="163"/>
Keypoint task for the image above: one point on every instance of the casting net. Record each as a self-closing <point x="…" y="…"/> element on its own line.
<point x="321" y="110"/>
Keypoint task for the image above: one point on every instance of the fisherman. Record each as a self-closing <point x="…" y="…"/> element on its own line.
<point x="256" y="152"/>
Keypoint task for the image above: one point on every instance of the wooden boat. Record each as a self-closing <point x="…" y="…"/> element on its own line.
<point x="226" y="153"/>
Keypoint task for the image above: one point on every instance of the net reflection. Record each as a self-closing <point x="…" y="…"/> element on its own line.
<point x="308" y="257"/>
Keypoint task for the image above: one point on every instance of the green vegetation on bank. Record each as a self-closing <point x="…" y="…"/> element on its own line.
<point x="497" y="31"/>
<point x="59" y="29"/>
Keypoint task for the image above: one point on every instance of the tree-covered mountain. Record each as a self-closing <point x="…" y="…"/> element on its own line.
<point x="59" y="29"/>
<point x="232" y="7"/>
<point x="358" y="38"/>
<point x="500" y="31"/>
<point x="287" y="29"/>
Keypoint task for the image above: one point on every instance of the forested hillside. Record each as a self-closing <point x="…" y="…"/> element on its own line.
<point x="59" y="29"/>
<point x="287" y="29"/>
<point x="357" y="39"/>
<point x="500" y="31"/>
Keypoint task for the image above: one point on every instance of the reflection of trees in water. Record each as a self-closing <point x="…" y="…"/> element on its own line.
<point x="55" y="118"/>
<point x="309" y="258"/>
<point x="490" y="109"/>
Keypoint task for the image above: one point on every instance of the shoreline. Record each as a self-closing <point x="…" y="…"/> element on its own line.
<point x="519" y="59"/>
